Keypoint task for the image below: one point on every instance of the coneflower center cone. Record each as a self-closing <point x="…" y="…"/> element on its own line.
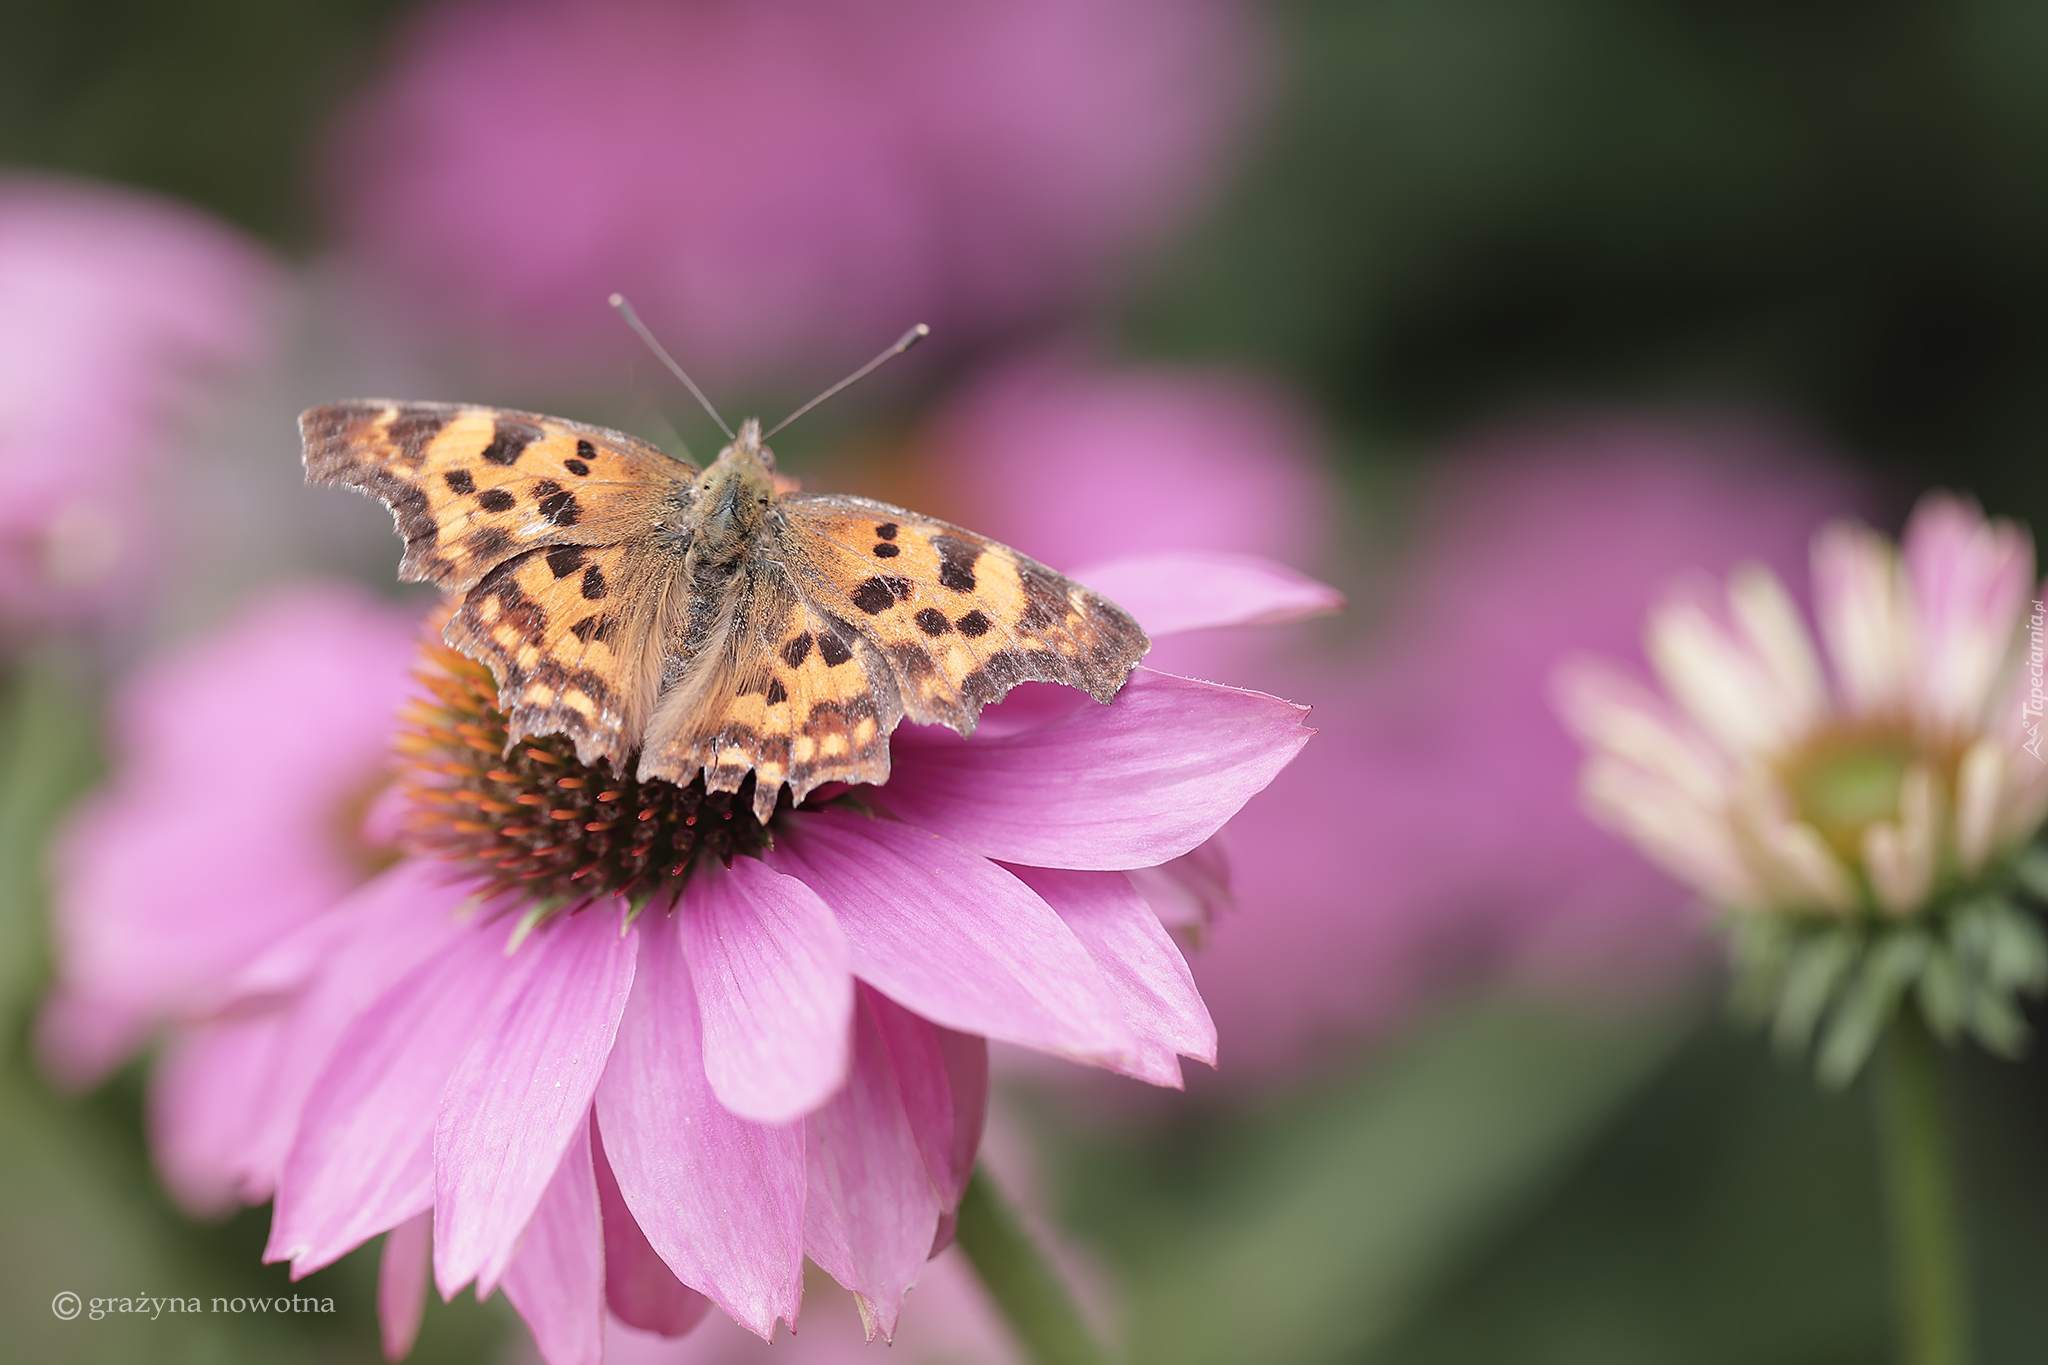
<point x="531" y="819"/>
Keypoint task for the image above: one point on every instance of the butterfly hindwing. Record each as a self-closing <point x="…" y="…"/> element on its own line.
<point x="570" y="633"/>
<point x="958" y="618"/>
<point x="787" y="692"/>
<point x="471" y="487"/>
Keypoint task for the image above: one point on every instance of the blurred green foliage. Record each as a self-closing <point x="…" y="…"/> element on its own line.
<point x="1511" y="1183"/>
<point x="1837" y="209"/>
<point x="216" y="101"/>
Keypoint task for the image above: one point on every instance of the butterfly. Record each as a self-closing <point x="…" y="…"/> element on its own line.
<point x="706" y="620"/>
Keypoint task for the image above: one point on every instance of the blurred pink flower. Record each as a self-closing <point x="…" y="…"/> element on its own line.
<point x="785" y="1059"/>
<point x="1190" y="470"/>
<point x="114" y="307"/>
<point x="1430" y="836"/>
<point x="1442" y="768"/>
<point x="784" y="182"/>
<point x="195" y="858"/>
<point x="1074" y="463"/>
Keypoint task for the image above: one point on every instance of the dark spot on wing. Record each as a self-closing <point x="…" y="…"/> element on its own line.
<point x="584" y="629"/>
<point x="932" y="621"/>
<point x="886" y="531"/>
<point x="974" y="623"/>
<point x="565" y="559"/>
<point x="874" y="596"/>
<point x="912" y="661"/>
<point x="556" y="503"/>
<point x="496" y="500"/>
<point x="585" y="450"/>
<point x="488" y="542"/>
<point x="415" y="518"/>
<point x="576" y="467"/>
<point x="777" y="693"/>
<point x="957" y="559"/>
<point x="410" y="433"/>
<point x="509" y="441"/>
<point x="593" y="583"/>
<point x="887" y="551"/>
<point x="459" y="480"/>
<point x="1044" y="603"/>
<point x="833" y="650"/>
<point x="795" y="651"/>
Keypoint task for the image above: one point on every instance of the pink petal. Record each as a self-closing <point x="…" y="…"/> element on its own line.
<point x="557" y="1279"/>
<point x="402" y="1284"/>
<point x="395" y="923"/>
<point x="721" y="1199"/>
<point x="769" y="964"/>
<point x="638" y="1286"/>
<point x="943" y="1076"/>
<point x="1142" y="964"/>
<point x="363" y="1160"/>
<point x="953" y="936"/>
<point x="204" y="1097"/>
<point x="524" y="1090"/>
<point x="871" y="1213"/>
<point x="1132" y="784"/>
<point x="1186" y="590"/>
<point x="1972" y="580"/>
<point x="1189" y="892"/>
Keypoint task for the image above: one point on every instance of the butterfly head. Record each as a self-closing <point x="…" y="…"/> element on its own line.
<point x="747" y="447"/>
<point x="733" y="496"/>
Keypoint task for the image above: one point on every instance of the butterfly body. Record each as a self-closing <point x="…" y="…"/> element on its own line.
<point x="704" y="620"/>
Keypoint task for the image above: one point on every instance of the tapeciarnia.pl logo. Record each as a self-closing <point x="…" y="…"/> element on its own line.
<point x="2037" y="696"/>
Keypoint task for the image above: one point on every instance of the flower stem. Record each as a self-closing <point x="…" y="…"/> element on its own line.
<point x="1032" y="1297"/>
<point x="1926" y="1243"/>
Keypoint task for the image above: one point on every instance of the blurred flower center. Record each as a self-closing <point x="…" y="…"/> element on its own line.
<point x="536" y="821"/>
<point x="1841" y="782"/>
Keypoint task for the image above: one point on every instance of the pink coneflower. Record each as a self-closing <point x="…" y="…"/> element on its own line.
<point x="652" y="1063"/>
<point x="1858" y="822"/>
<point x="116" y="309"/>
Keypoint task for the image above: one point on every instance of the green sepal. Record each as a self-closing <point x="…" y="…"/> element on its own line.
<point x="1833" y="984"/>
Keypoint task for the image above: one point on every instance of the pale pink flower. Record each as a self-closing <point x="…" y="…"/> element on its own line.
<point x="116" y="309"/>
<point x="781" y="184"/>
<point x="1874" y="779"/>
<point x="787" y="1059"/>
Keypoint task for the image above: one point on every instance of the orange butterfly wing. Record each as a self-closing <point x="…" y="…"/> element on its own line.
<point x="548" y="528"/>
<point x="858" y="614"/>
<point x="470" y="487"/>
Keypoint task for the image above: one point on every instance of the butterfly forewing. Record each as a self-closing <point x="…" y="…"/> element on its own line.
<point x="471" y="487"/>
<point x="959" y="618"/>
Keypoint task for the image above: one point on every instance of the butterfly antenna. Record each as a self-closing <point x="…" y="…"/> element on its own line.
<point x="903" y="343"/>
<point x="632" y="318"/>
